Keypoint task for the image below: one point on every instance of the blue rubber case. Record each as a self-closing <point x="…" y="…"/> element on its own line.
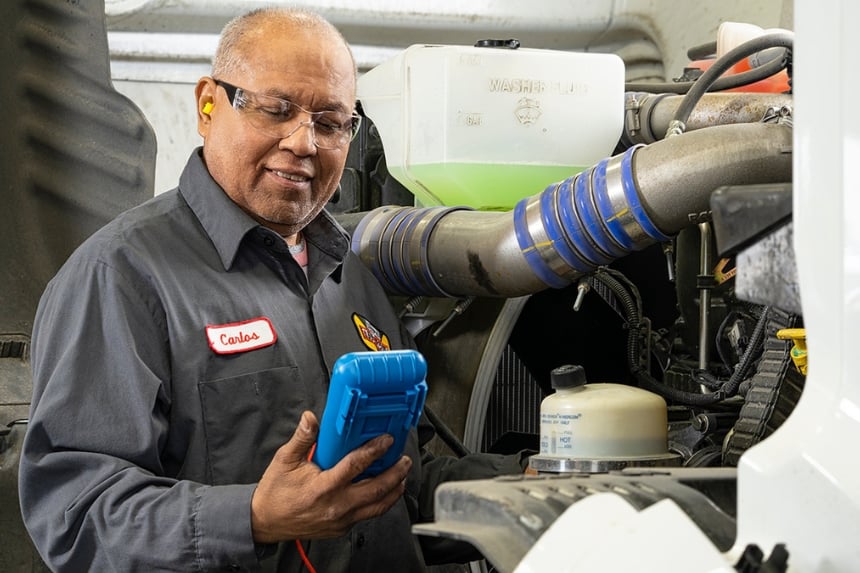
<point x="371" y="393"/>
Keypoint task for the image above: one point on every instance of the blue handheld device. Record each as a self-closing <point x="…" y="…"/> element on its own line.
<point x="371" y="393"/>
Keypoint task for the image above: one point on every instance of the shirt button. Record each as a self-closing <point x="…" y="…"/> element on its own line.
<point x="268" y="241"/>
<point x="360" y="540"/>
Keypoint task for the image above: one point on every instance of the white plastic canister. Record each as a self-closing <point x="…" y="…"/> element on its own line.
<point x="600" y="421"/>
<point x="485" y="127"/>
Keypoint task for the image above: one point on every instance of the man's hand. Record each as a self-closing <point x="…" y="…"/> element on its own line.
<point x="295" y="499"/>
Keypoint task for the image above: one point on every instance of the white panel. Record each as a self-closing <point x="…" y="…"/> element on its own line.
<point x="801" y="486"/>
<point x="605" y="533"/>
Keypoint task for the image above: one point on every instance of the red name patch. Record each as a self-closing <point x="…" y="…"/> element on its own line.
<point x="241" y="336"/>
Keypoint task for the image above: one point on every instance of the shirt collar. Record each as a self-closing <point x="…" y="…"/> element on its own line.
<point x="227" y="224"/>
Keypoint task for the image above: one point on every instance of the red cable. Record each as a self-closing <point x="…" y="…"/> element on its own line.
<point x="304" y="557"/>
<point x="301" y="549"/>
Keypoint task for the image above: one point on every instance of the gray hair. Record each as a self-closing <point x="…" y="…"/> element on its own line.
<point x="229" y="55"/>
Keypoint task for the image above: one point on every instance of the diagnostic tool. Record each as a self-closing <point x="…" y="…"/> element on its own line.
<point x="371" y="393"/>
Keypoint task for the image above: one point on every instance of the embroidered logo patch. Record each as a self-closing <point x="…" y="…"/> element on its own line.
<point x="241" y="336"/>
<point x="371" y="336"/>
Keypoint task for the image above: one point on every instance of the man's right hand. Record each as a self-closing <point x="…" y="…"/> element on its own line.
<point x="295" y="499"/>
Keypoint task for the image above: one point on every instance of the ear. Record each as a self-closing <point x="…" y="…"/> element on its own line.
<point x="205" y="100"/>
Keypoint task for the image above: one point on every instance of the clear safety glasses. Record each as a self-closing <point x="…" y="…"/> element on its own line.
<point x="274" y="116"/>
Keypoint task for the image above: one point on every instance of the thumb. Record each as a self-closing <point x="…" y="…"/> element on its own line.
<point x="299" y="447"/>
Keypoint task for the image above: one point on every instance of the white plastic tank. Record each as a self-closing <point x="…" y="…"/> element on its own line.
<point x="486" y="126"/>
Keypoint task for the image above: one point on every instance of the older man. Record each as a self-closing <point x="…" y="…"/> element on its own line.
<point x="181" y="357"/>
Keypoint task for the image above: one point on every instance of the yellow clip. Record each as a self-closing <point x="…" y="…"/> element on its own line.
<point x="798" y="351"/>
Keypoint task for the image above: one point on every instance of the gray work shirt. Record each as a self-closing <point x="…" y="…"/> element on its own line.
<point x="146" y="438"/>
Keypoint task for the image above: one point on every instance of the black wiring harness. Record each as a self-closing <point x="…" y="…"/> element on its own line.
<point x="627" y="297"/>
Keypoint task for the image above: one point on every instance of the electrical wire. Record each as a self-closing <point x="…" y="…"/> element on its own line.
<point x="631" y="287"/>
<point x="446" y="434"/>
<point x="299" y="547"/>
<point x="743" y="314"/>
<point x="756" y="343"/>
<point x="304" y="557"/>
<point x="634" y="319"/>
<point x="718" y="337"/>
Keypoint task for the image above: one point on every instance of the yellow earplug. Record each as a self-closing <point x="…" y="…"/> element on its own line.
<point x="207" y="107"/>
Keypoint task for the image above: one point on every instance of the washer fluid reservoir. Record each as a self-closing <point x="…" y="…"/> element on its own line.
<point x="600" y="427"/>
<point x="484" y="127"/>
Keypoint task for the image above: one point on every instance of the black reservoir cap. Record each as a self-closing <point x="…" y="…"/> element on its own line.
<point x="567" y="376"/>
<point x="511" y="44"/>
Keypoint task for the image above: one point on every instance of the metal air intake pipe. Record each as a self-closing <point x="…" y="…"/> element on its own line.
<point x="623" y="204"/>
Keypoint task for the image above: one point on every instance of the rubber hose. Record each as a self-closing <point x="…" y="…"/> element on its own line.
<point x="722" y="65"/>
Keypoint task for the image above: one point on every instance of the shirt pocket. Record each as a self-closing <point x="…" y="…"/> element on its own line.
<point x="247" y="418"/>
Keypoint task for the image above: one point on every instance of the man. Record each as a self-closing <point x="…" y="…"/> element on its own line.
<point x="181" y="356"/>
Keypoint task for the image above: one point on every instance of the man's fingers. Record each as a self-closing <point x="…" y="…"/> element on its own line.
<point x="384" y="490"/>
<point x="295" y="499"/>
<point x="299" y="446"/>
<point x="392" y="479"/>
<point x="355" y="462"/>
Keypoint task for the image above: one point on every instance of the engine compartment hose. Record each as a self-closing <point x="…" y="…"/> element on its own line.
<point x="722" y="65"/>
<point x="585" y="221"/>
<point x="745" y="78"/>
<point x="623" y="204"/>
<point x="393" y="243"/>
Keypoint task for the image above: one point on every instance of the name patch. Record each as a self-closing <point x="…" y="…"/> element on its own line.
<point x="241" y="336"/>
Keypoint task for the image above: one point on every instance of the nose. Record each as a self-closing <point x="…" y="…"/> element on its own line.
<point x="304" y="141"/>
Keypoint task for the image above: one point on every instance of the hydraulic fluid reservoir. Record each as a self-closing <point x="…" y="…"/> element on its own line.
<point x="599" y="427"/>
<point x="486" y="126"/>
